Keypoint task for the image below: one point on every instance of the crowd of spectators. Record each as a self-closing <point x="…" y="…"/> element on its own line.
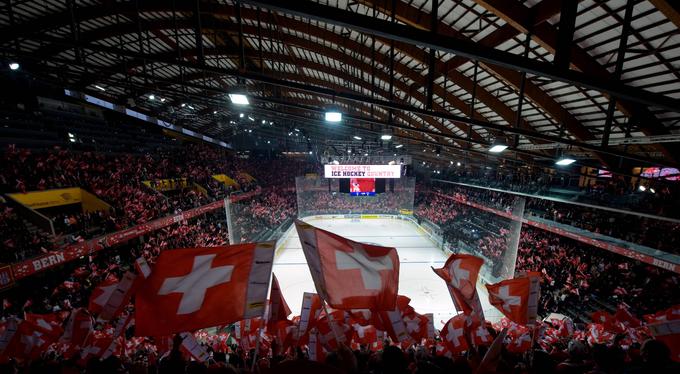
<point x="574" y="273"/>
<point x="655" y="233"/>
<point x="179" y="179"/>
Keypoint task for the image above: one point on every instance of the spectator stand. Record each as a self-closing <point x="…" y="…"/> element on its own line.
<point x="482" y="196"/>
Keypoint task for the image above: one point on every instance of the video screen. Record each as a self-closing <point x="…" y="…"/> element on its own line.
<point x="362" y="186"/>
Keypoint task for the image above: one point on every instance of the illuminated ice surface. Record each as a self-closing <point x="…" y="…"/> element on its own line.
<point x="417" y="253"/>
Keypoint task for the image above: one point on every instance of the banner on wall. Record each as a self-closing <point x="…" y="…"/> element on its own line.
<point x="48" y="198"/>
<point x="75" y="251"/>
<point x="362" y="171"/>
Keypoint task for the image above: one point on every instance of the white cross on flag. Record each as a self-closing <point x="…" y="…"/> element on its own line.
<point x="516" y="298"/>
<point x="453" y="334"/>
<point x="349" y="274"/>
<point x="190" y="289"/>
<point x="460" y="274"/>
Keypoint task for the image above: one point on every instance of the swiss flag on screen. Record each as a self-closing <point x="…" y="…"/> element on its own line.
<point x="349" y="274"/>
<point x="190" y="289"/>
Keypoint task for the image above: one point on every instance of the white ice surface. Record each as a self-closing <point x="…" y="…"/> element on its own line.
<point x="417" y="254"/>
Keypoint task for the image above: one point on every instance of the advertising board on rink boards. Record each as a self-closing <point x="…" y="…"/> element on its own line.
<point x="362" y="171"/>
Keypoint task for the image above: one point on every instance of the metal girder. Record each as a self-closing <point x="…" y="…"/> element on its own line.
<point x="485" y="97"/>
<point x="514" y="13"/>
<point x="362" y="23"/>
<point x="354" y="97"/>
<point x="566" y="34"/>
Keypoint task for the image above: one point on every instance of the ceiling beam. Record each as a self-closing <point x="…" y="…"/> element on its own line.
<point x="468" y="49"/>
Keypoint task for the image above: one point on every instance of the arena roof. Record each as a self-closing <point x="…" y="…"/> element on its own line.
<point x="598" y="80"/>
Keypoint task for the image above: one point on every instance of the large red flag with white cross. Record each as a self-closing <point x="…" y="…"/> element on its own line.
<point x="349" y="274"/>
<point x="195" y="288"/>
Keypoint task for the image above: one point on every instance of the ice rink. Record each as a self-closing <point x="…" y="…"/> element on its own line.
<point x="417" y="253"/>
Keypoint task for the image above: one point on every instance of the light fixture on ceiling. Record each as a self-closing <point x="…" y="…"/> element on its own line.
<point x="564" y="161"/>
<point x="152" y="97"/>
<point x="498" y="148"/>
<point x="100" y="88"/>
<point x="357" y="137"/>
<point x="214" y="112"/>
<point x="163" y="99"/>
<point x="251" y="118"/>
<point x="398" y="146"/>
<point x="458" y="163"/>
<point x="652" y="190"/>
<point x="14" y="66"/>
<point x="263" y="122"/>
<point x="183" y="105"/>
<point x="240" y="115"/>
<point x="239" y="99"/>
<point x="642" y="188"/>
<point x="333" y="115"/>
<point x="385" y="137"/>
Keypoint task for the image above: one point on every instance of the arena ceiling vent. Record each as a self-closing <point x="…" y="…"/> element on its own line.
<point x="596" y="80"/>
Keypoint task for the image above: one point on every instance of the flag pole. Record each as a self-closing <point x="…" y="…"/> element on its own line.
<point x="265" y="317"/>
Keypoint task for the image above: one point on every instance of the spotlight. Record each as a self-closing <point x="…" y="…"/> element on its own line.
<point x="386" y="137"/>
<point x="183" y="105"/>
<point x="498" y="148"/>
<point x="214" y="112"/>
<point x="240" y="115"/>
<point x="333" y="116"/>
<point x="398" y="146"/>
<point x="251" y="118"/>
<point x="642" y="188"/>
<point x="152" y="97"/>
<point x="239" y="99"/>
<point x="357" y="137"/>
<point x="564" y="161"/>
<point x="263" y="122"/>
<point x="458" y="163"/>
<point x="162" y="99"/>
<point x="100" y="88"/>
<point x="652" y="190"/>
<point x="14" y="66"/>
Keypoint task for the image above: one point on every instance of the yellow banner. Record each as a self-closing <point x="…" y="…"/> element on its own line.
<point x="369" y="216"/>
<point x="167" y="184"/>
<point x="49" y="198"/>
<point x="406" y="212"/>
<point x="225" y="179"/>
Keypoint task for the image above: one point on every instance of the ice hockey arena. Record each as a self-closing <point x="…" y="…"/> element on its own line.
<point x="340" y="186"/>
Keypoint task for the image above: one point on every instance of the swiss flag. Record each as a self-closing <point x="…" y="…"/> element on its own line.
<point x="101" y="294"/>
<point x="669" y="314"/>
<point x="460" y="273"/>
<point x="365" y="334"/>
<point x="453" y="334"/>
<point x="25" y="340"/>
<point x="311" y="309"/>
<point x="516" y="298"/>
<point x="417" y="326"/>
<point x="96" y="346"/>
<point x="393" y="321"/>
<point x="49" y="324"/>
<point x="519" y="344"/>
<point x="190" y="289"/>
<point x="349" y="274"/>
<point x="78" y="327"/>
<point x="278" y="308"/>
<point x="480" y="335"/>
